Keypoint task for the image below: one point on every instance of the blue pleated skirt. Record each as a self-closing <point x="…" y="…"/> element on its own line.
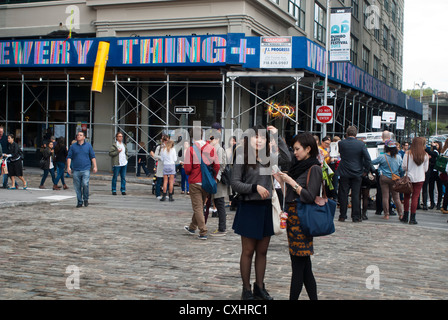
<point x="253" y="219"/>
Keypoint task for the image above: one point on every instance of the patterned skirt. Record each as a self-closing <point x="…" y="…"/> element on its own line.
<point x="299" y="244"/>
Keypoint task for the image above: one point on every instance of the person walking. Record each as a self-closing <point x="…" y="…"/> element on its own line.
<point x="192" y="165"/>
<point x="48" y="159"/>
<point x="4" y="146"/>
<point x="15" y="167"/>
<point x="251" y="178"/>
<point x="301" y="246"/>
<point x="355" y="162"/>
<point x="390" y="166"/>
<point x="80" y="159"/>
<point x="141" y="159"/>
<point x="416" y="163"/>
<point x="61" y="152"/>
<point x="168" y="157"/>
<point x="119" y="154"/>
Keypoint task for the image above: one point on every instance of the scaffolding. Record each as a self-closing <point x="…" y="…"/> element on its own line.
<point x="144" y="102"/>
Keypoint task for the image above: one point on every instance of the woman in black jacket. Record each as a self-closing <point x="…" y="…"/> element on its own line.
<point x="15" y="168"/>
<point x="301" y="245"/>
<point x="48" y="166"/>
<point x="61" y="153"/>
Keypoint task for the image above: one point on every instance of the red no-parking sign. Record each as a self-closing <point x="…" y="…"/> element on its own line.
<point x="324" y="114"/>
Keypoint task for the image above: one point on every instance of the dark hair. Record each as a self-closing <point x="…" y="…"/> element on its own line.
<point x="12" y="136"/>
<point x="306" y="139"/>
<point x="393" y="151"/>
<point x="326" y="138"/>
<point x="253" y="132"/>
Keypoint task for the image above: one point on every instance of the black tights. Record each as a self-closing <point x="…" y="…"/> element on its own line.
<point x="249" y="247"/>
<point x="302" y="273"/>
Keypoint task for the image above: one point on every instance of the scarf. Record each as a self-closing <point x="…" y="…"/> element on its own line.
<point x="300" y="167"/>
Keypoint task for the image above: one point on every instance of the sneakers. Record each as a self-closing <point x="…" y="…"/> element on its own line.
<point x="218" y="233"/>
<point x="190" y="231"/>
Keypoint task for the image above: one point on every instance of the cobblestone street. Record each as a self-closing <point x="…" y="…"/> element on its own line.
<point x="134" y="247"/>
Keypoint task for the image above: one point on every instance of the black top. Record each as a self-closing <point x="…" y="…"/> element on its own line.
<point x="310" y="192"/>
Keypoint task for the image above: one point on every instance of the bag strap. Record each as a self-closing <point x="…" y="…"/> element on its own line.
<point x="324" y="193"/>
<point x="385" y="156"/>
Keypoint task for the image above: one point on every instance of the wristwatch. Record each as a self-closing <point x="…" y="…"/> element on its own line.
<point x="295" y="187"/>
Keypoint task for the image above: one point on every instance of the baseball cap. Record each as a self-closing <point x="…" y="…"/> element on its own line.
<point x="390" y="143"/>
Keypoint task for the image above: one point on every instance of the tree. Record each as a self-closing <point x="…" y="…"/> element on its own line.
<point x="415" y="93"/>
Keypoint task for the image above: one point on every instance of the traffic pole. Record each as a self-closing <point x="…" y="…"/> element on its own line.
<point x="327" y="57"/>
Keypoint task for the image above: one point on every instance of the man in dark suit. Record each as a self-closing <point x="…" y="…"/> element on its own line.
<point x="355" y="162"/>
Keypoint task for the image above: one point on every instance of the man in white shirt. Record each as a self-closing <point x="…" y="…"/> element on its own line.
<point x="119" y="154"/>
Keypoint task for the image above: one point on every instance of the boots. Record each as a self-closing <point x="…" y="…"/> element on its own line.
<point x="171" y="197"/>
<point x="55" y="187"/>
<point x="247" y="295"/>
<point x="261" y="293"/>
<point x="163" y="197"/>
<point x="405" y="217"/>
<point x="364" y="214"/>
<point x="412" y="220"/>
<point x="65" y="187"/>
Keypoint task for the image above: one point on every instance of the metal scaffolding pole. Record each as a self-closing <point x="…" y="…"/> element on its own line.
<point x="22" y="111"/>
<point x="312" y="109"/>
<point x="67" y="118"/>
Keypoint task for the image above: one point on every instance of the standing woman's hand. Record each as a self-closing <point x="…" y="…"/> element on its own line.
<point x="262" y="192"/>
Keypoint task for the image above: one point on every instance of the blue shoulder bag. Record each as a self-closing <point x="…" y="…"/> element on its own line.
<point x="316" y="219"/>
<point x="208" y="180"/>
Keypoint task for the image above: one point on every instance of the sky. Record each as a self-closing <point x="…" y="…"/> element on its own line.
<point x="425" y="45"/>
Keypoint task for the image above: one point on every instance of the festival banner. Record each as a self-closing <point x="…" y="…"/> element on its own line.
<point x="340" y="20"/>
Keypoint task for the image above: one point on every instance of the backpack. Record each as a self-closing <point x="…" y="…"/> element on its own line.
<point x="207" y="173"/>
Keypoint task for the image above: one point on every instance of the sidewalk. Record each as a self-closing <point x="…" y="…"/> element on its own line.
<point x="134" y="247"/>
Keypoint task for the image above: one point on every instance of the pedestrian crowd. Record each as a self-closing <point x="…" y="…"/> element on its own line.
<point x="248" y="173"/>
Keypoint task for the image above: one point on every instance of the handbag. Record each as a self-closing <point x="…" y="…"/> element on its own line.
<point x="316" y="219"/>
<point x="441" y="163"/>
<point x="208" y="180"/>
<point x="404" y="184"/>
<point x="4" y="167"/>
<point x="395" y="177"/>
<point x="276" y="211"/>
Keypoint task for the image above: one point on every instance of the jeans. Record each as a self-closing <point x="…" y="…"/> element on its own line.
<point x="416" y="188"/>
<point x="222" y="216"/>
<point x="142" y="165"/>
<point x="184" y="181"/>
<point x="44" y="177"/>
<point x="345" y="184"/>
<point x="81" y="184"/>
<point x="159" y="182"/>
<point x="60" y="174"/>
<point x="122" y="171"/>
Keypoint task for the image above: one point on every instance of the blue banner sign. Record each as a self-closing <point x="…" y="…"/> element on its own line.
<point x="199" y="51"/>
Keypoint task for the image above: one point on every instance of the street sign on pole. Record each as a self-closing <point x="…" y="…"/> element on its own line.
<point x="330" y="94"/>
<point x="324" y="114"/>
<point x="185" y="110"/>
